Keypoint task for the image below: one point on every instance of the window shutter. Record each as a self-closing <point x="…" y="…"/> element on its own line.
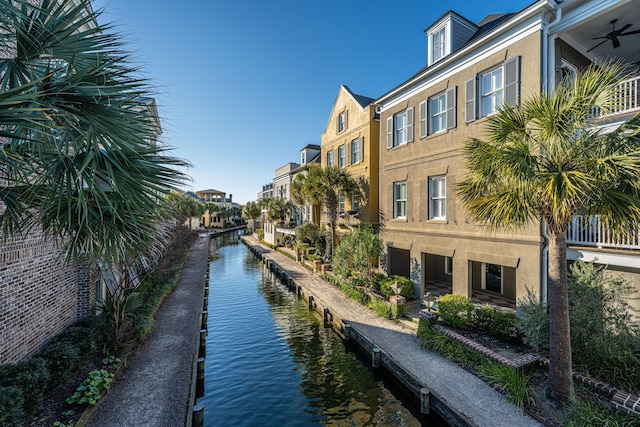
<point x="423" y="119"/>
<point x="470" y="100"/>
<point x="410" y="124"/>
<point x="409" y="201"/>
<point x="390" y="132"/>
<point x="347" y="154"/>
<point x="424" y="199"/>
<point x="345" y="119"/>
<point x="362" y="149"/>
<point x="452" y="100"/>
<point x="512" y="81"/>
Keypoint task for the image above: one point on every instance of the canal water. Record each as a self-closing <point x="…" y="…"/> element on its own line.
<point x="272" y="362"/>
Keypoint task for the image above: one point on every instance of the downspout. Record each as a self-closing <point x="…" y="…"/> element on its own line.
<point x="549" y="46"/>
<point x="548" y="68"/>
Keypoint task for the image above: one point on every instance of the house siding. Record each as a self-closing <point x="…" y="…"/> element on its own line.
<point x="439" y="154"/>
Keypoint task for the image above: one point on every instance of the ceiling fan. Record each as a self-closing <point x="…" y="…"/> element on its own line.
<point x="614" y="34"/>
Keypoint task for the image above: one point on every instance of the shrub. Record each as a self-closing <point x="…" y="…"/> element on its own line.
<point x="260" y="233"/>
<point x="497" y="323"/>
<point x="83" y="338"/>
<point x="31" y="377"/>
<point x="604" y="335"/>
<point x="11" y="407"/>
<point x="455" y="310"/>
<point x="406" y="290"/>
<point x="61" y="358"/>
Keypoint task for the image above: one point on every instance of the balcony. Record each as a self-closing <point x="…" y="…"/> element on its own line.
<point x="592" y="231"/>
<point x="626" y="100"/>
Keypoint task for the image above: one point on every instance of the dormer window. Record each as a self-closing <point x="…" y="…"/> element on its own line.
<point x="447" y="35"/>
<point x="438" y="44"/>
<point x="303" y="158"/>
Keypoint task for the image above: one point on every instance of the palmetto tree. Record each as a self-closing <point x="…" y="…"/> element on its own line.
<point x="545" y="160"/>
<point x="77" y="158"/>
<point x="320" y="185"/>
<point x="278" y="209"/>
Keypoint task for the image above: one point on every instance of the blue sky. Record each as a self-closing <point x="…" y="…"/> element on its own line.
<point x="243" y="86"/>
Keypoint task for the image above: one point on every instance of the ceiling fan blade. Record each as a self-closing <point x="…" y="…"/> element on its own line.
<point x="616" y="42"/>
<point x="596" y="38"/>
<point x="604" y="41"/>
<point x="630" y="32"/>
<point x="621" y="30"/>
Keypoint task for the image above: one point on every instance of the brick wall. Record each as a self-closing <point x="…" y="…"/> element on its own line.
<point x="39" y="295"/>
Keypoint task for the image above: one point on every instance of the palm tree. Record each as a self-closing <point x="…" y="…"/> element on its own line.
<point x="278" y="209"/>
<point x="78" y="158"/>
<point x="546" y="160"/>
<point x="324" y="185"/>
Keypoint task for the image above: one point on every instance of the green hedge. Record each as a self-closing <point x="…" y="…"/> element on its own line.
<point x="11" y="407"/>
<point x="406" y="291"/>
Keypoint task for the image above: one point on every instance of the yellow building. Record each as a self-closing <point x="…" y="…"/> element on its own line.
<point x="351" y="140"/>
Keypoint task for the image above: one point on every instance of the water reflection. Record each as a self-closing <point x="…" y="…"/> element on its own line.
<point x="272" y="362"/>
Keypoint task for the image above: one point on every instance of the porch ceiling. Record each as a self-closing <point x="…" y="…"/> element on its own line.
<point x="583" y="35"/>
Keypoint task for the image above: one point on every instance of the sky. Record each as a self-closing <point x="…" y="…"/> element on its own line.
<point x="242" y="86"/>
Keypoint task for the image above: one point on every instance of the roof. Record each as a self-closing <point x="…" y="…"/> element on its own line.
<point x="364" y="101"/>
<point x="211" y="191"/>
<point x="311" y="146"/>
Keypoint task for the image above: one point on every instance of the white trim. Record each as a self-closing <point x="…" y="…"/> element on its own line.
<point x="452" y="66"/>
<point x="606" y="258"/>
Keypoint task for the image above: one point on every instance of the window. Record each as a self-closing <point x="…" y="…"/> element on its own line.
<point x="491" y="91"/>
<point x="399" y="199"/>
<point x="438" y="40"/>
<point x="355" y="151"/>
<point x="341" y="157"/>
<point x="342" y="121"/>
<point x="400" y="128"/>
<point x="437" y="197"/>
<point x="341" y="202"/>
<point x="448" y="265"/>
<point x="330" y="158"/>
<point x="438" y="113"/>
<point x="492" y="277"/>
<point x="355" y="202"/>
<point x="303" y="158"/>
<point x="495" y="88"/>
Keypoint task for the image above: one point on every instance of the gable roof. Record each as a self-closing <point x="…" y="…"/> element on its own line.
<point x="364" y="101"/>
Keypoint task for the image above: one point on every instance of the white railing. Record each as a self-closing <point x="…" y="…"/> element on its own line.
<point x="592" y="231"/>
<point x="626" y="99"/>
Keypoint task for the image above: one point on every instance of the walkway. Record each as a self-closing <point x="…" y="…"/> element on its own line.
<point x="153" y="390"/>
<point x="478" y="403"/>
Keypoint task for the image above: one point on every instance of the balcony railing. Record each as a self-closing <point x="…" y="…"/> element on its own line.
<point x="593" y="231"/>
<point x="626" y="99"/>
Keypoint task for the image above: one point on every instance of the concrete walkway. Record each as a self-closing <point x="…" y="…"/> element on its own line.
<point x="154" y="388"/>
<point x="472" y="399"/>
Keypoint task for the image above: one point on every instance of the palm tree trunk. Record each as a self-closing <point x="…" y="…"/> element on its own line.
<point x="332" y="210"/>
<point x="560" y="383"/>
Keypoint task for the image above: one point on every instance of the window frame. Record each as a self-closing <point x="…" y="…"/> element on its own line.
<point x="330" y="158"/>
<point x="397" y="201"/>
<point x="393" y="131"/>
<point x="440" y="114"/>
<point x="355" y="151"/>
<point x="492" y="92"/>
<point x="341" y="125"/>
<point x="355" y="202"/>
<point x="475" y="93"/>
<point x="439" y="36"/>
<point x="341" y="156"/>
<point x="448" y="265"/>
<point x="437" y="199"/>
<point x="341" y="199"/>
<point x="485" y="267"/>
